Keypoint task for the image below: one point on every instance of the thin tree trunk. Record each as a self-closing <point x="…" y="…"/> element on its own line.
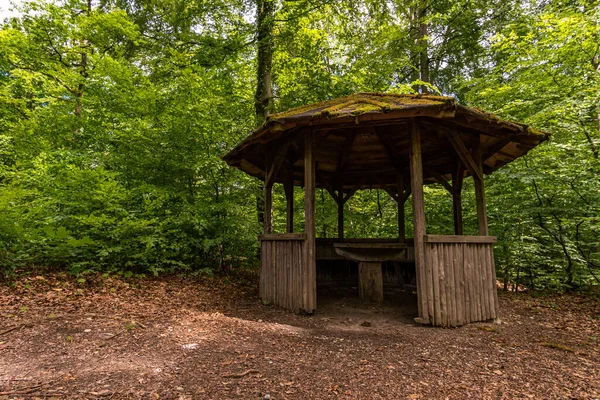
<point x="419" y="29"/>
<point x="263" y="97"/>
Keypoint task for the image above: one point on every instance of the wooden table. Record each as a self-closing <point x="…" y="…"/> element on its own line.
<point x="370" y="257"/>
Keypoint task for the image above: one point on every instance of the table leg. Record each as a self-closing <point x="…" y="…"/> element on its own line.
<point x="370" y="282"/>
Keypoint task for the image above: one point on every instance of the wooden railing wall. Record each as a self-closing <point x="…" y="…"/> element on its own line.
<point x="460" y="283"/>
<point x="284" y="277"/>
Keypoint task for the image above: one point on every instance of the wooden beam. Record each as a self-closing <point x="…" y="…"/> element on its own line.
<point x="457" y="184"/>
<point x="492" y="150"/>
<point x="392" y="194"/>
<point x="416" y="179"/>
<point x="440" y="179"/>
<point x="401" y="213"/>
<point x="464" y="154"/>
<point x="459" y="239"/>
<point x="309" y="276"/>
<point x="335" y="195"/>
<point x="348" y="195"/>
<point x="480" y="193"/>
<point x="276" y="163"/>
<point x="288" y="186"/>
<point x="268" y="196"/>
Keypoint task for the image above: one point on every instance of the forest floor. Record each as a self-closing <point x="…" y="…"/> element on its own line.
<point x="181" y="338"/>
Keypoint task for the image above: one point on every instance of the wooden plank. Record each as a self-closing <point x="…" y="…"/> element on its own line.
<point x="443" y="285"/>
<point x="485" y="280"/>
<point x="493" y="266"/>
<point x="472" y="283"/>
<point x="479" y="281"/>
<point x="309" y="224"/>
<point x="271" y="273"/>
<point x="464" y="154"/>
<point x="416" y="174"/>
<point x="480" y="194"/>
<point x="450" y="280"/>
<point x="459" y="239"/>
<point x="275" y="272"/>
<point x="261" y="285"/>
<point x="282" y="236"/>
<point x="370" y="282"/>
<point x="460" y="284"/>
<point x="300" y="269"/>
<point x="449" y="276"/>
<point x="492" y="278"/>
<point x="466" y="287"/>
<point x="432" y="250"/>
<point x="289" y="293"/>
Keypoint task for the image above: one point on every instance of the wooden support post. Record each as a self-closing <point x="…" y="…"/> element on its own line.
<point x="268" y="225"/>
<point x="479" y="191"/>
<point x="457" y="185"/>
<point x="401" y="201"/>
<point x="370" y="282"/>
<point x="288" y="186"/>
<point x="416" y="180"/>
<point x="268" y="194"/>
<point x="340" y="210"/>
<point x="310" y="268"/>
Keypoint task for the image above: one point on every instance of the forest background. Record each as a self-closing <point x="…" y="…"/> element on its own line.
<point x="114" y="115"/>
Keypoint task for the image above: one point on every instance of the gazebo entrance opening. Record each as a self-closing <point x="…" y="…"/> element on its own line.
<point x="396" y="143"/>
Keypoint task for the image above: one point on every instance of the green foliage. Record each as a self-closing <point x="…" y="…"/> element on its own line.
<point x="113" y="120"/>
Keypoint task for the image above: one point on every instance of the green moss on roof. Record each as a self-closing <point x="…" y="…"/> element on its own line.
<point x="362" y="103"/>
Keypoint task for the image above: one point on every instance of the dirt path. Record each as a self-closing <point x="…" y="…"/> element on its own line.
<point x="180" y="339"/>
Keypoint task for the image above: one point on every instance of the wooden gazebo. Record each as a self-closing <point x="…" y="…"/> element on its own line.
<point x="396" y="143"/>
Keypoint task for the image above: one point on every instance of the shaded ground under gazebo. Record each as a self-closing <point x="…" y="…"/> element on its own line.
<point x="396" y="143"/>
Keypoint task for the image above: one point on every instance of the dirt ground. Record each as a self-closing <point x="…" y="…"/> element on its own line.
<point x="177" y="338"/>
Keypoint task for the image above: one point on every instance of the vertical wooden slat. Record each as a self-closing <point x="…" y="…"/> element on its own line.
<point x="486" y="281"/>
<point x="465" y="270"/>
<point x="416" y="179"/>
<point x="450" y="280"/>
<point x="269" y="273"/>
<point x="441" y="264"/>
<point x="300" y="268"/>
<point x="459" y="284"/>
<point x="493" y="266"/>
<point x="493" y="297"/>
<point x="309" y="223"/>
<point x="432" y="249"/>
<point x="478" y="280"/>
<point x="451" y="264"/>
<point x="472" y="283"/>
<point x="261" y="286"/>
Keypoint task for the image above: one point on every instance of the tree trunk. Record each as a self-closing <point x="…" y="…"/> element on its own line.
<point x="263" y="97"/>
<point x="419" y="56"/>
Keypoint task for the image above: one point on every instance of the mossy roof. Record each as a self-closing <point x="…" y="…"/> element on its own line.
<point x="364" y="109"/>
